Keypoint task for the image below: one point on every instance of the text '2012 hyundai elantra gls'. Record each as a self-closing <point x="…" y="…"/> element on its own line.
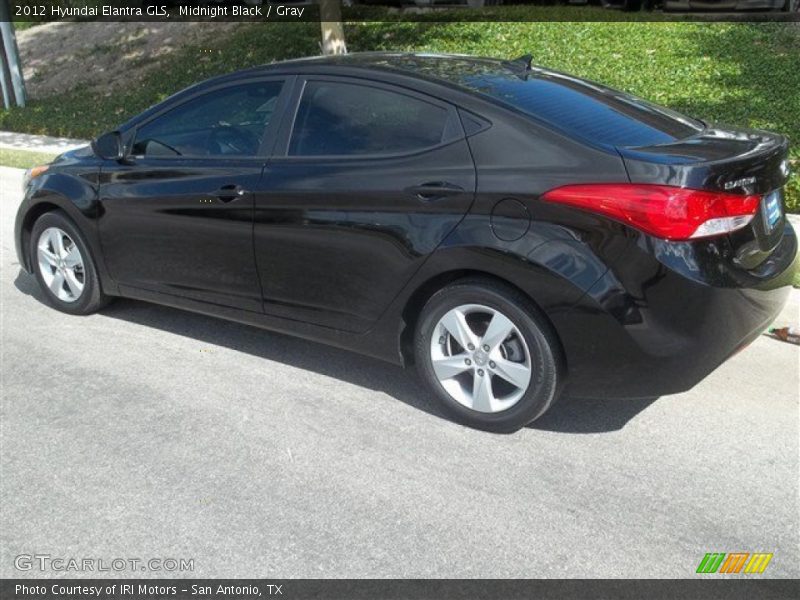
<point x="514" y="232"/>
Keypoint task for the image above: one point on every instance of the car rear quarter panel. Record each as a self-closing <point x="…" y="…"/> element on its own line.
<point x="552" y="254"/>
<point x="517" y="161"/>
<point x="636" y="316"/>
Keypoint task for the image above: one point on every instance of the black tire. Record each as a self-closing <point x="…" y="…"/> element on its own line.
<point x="92" y="298"/>
<point x="543" y="345"/>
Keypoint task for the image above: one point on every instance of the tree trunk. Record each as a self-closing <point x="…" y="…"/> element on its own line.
<point x="330" y="16"/>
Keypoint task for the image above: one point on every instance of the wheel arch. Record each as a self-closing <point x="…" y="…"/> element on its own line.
<point x="423" y="292"/>
<point x="49" y="201"/>
<point x="26" y="228"/>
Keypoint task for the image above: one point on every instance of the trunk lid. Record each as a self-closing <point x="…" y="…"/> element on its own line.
<point x="747" y="162"/>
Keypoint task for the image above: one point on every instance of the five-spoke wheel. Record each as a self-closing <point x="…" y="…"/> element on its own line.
<point x="480" y="358"/>
<point x="63" y="265"/>
<point x="488" y="354"/>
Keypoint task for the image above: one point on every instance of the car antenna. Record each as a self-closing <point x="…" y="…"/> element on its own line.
<point x="523" y="61"/>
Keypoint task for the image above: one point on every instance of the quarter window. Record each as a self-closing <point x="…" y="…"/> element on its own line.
<point x="342" y="119"/>
<point x="226" y="122"/>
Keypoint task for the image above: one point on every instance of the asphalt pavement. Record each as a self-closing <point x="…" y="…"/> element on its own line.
<point x="150" y="433"/>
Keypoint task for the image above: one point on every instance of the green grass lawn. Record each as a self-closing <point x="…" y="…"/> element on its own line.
<point x="743" y="74"/>
<point x="22" y="159"/>
<point x="23" y="25"/>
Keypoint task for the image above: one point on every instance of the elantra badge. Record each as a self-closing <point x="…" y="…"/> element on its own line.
<point x="740" y="183"/>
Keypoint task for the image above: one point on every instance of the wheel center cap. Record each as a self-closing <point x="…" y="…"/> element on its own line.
<point x="480" y="358"/>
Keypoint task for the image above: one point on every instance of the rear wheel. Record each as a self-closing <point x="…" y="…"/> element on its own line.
<point x="491" y="360"/>
<point x="64" y="266"/>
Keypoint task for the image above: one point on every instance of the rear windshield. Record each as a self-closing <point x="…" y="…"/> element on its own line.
<point x="597" y="114"/>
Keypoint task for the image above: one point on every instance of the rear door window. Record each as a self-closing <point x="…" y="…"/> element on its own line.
<point x="346" y="119"/>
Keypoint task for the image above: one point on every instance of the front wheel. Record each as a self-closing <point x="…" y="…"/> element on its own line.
<point x="490" y="358"/>
<point x="64" y="266"/>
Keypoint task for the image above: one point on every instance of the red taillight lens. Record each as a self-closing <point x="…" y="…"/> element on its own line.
<point x="668" y="212"/>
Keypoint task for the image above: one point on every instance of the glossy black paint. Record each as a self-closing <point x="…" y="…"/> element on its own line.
<point x="358" y="228"/>
<point x="346" y="250"/>
<point x="166" y="226"/>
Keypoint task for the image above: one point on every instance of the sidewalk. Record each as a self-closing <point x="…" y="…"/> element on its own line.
<point x="38" y="143"/>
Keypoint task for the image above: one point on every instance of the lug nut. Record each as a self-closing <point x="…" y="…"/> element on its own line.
<point x="471" y="346"/>
<point x="492" y="365"/>
<point x="485" y="348"/>
<point x="480" y="372"/>
<point x="468" y="362"/>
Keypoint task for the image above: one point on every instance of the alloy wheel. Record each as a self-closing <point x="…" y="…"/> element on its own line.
<point x="480" y="358"/>
<point x="61" y="264"/>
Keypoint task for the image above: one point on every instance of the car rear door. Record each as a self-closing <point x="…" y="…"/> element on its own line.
<point x="177" y="217"/>
<point x="366" y="181"/>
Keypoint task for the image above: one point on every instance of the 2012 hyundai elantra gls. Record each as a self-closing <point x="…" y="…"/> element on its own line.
<point x="514" y="232"/>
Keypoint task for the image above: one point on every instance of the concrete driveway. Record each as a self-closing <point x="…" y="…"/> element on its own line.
<point x="148" y="432"/>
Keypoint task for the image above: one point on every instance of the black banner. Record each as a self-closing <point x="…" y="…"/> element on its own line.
<point x="264" y="11"/>
<point x="419" y="589"/>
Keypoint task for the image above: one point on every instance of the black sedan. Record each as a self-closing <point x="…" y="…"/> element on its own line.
<point x="513" y="232"/>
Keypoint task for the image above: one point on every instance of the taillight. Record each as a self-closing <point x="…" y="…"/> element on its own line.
<point x="668" y="212"/>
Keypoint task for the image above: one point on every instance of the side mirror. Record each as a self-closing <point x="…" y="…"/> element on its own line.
<point x="109" y="146"/>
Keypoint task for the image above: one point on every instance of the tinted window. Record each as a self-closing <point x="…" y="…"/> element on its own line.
<point x="226" y="122"/>
<point x="336" y="119"/>
<point x="596" y="114"/>
<point x="580" y="108"/>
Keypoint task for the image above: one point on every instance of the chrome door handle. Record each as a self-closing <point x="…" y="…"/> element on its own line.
<point x="230" y="192"/>
<point x="434" y="190"/>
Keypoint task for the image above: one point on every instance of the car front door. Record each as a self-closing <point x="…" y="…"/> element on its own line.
<point x="363" y="186"/>
<point x="177" y="216"/>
